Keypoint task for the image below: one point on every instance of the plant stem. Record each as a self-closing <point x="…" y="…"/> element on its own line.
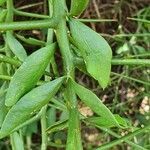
<point x="73" y="138"/>
<point x="26" y="14"/>
<point x="145" y="62"/>
<point x="96" y="20"/>
<point x="118" y="136"/>
<point x="28" y="140"/>
<point x="28" y="25"/>
<point x="130" y="78"/>
<point x="9" y="60"/>
<point x="127" y="137"/>
<point x="140" y="20"/>
<point x="64" y="46"/>
<point x="43" y="128"/>
<point x="4" y="77"/>
<point x="30" y="5"/>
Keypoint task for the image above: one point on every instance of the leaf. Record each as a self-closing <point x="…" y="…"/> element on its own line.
<point x="28" y="105"/>
<point x="57" y="126"/>
<point x="3" y="108"/>
<point x="91" y="100"/>
<point x="95" y="51"/>
<point x="121" y="120"/>
<point x="78" y="6"/>
<point x="15" y="46"/>
<point x="103" y="122"/>
<point x="26" y="77"/>
<point x="100" y="121"/>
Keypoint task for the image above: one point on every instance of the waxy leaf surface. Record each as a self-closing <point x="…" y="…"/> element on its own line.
<point x="91" y="100"/>
<point x="15" y="46"/>
<point x="28" y="105"/>
<point x="78" y="6"/>
<point x="26" y="77"/>
<point x="95" y="51"/>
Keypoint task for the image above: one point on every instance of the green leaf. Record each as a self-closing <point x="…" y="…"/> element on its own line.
<point x="26" y="77"/>
<point x="78" y="6"/>
<point x="3" y="108"/>
<point x="121" y="120"/>
<point x="91" y="100"/>
<point x="57" y="126"/>
<point x="103" y="122"/>
<point x="100" y="121"/>
<point x="95" y="51"/>
<point x="28" y="105"/>
<point x="15" y="46"/>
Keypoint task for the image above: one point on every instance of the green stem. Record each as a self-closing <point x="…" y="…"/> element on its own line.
<point x="56" y="145"/>
<point x="63" y="42"/>
<point x="28" y="140"/>
<point x="140" y="20"/>
<point x="127" y="137"/>
<point x="130" y="78"/>
<point x="74" y="137"/>
<point x="4" y="77"/>
<point x="118" y="136"/>
<point x="26" y="14"/>
<point x="96" y="20"/>
<point x="145" y="62"/>
<point x="9" y="60"/>
<point x="28" y="25"/>
<point x="10" y="8"/>
<point x="43" y="128"/>
<point x="131" y="34"/>
<point x="30" y="5"/>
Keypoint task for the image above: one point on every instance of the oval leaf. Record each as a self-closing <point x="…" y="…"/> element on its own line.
<point x="95" y="51"/>
<point x="28" y="105"/>
<point x="91" y="100"/>
<point x="15" y="46"/>
<point x="78" y="6"/>
<point x="103" y="122"/>
<point x="26" y="77"/>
